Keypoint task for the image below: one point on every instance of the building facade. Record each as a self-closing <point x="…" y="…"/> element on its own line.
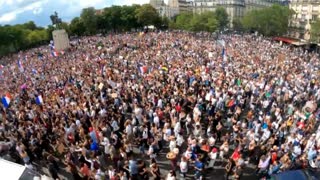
<point x="175" y="7"/>
<point x="234" y="8"/>
<point x="306" y="12"/>
<point x="160" y="6"/>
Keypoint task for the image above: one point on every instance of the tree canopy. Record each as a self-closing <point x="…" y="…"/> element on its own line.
<point x="270" y="21"/>
<point x="21" y="36"/>
<point x="89" y="19"/>
<point x="315" y="31"/>
<point x="147" y="15"/>
<point x="221" y="16"/>
<point x="206" y="21"/>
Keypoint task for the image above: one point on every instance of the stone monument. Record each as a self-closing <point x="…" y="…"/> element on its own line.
<point x="60" y="36"/>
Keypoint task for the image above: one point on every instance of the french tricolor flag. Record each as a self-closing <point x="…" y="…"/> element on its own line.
<point x="6" y="100"/>
<point x="54" y="53"/>
<point x="143" y="69"/>
<point x="39" y="100"/>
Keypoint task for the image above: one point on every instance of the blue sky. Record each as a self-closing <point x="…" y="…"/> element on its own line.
<point x="39" y="11"/>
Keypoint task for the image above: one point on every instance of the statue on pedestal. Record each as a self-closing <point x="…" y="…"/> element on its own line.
<point x="56" y="21"/>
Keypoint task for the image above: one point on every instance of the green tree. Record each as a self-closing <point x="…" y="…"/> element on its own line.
<point x="50" y="29"/>
<point x="89" y="18"/>
<point x="111" y="18"/>
<point x="237" y="24"/>
<point x="33" y="37"/>
<point x="315" y="31"/>
<point x="165" y="22"/>
<point x="183" y="21"/>
<point x="65" y="26"/>
<point x="128" y="17"/>
<point x="221" y="16"/>
<point x="147" y="15"/>
<point x="21" y="36"/>
<point x="270" y="21"/>
<point x="30" y="25"/>
<point x="77" y="27"/>
<point x="204" y="22"/>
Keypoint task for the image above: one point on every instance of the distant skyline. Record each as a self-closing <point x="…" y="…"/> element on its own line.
<point x="21" y="11"/>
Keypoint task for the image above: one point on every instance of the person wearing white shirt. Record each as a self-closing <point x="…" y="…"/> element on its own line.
<point x="172" y="144"/>
<point x="183" y="166"/>
<point x="177" y="128"/>
<point x="180" y="140"/>
<point x="296" y="151"/>
<point x="211" y="141"/>
<point x="266" y="134"/>
<point x="115" y="126"/>
<point x="160" y="104"/>
<point x="106" y="144"/>
<point x="156" y="120"/>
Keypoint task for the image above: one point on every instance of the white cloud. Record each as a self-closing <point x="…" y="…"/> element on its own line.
<point x="7" y="17"/>
<point x="10" y="16"/>
<point x="37" y="11"/>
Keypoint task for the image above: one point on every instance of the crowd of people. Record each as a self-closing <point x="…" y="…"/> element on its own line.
<point x="112" y="106"/>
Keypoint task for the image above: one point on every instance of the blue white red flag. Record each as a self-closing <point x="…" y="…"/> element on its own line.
<point x="39" y="100"/>
<point x="6" y="100"/>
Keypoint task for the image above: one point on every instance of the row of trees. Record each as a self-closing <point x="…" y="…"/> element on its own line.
<point x="207" y="21"/>
<point x="272" y="21"/>
<point x="21" y="36"/>
<point x="116" y="19"/>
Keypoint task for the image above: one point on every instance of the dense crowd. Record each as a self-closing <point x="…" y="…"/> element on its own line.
<point x="113" y="105"/>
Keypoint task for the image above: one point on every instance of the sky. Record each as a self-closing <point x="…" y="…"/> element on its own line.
<point x="21" y="11"/>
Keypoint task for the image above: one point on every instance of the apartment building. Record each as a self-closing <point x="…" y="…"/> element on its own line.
<point x="306" y="12"/>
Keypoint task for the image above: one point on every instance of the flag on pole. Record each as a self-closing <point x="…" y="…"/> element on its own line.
<point x="6" y="100"/>
<point x="39" y="100"/>
<point x="20" y="66"/>
<point x="224" y="54"/>
<point x="54" y="53"/>
<point x="222" y="42"/>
